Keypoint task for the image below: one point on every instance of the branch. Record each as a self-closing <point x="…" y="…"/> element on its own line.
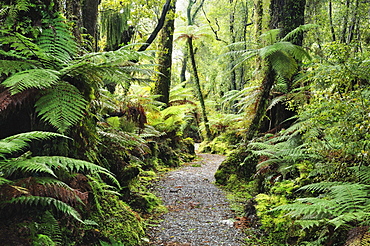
<point x="159" y="26"/>
<point x="213" y="30"/>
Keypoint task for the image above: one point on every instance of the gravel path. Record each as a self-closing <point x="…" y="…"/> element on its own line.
<point x="199" y="213"/>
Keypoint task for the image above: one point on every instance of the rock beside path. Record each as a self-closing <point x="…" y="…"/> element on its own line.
<point x="199" y="213"/>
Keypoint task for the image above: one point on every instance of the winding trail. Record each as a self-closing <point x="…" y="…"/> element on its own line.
<point x="199" y="214"/>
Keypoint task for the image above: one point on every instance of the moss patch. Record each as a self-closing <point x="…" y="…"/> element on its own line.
<point x="117" y="222"/>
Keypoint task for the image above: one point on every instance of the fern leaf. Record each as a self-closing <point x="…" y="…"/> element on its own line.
<point x="56" y="39"/>
<point x="320" y="187"/>
<point x="8" y="67"/>
<point x="62" y="106"/>
<point x="31" y="165"/>
<point x="47" y="202"/>
<point x="73" y="165"/>
<point x="20" y="141"/>
<point x="31" y="78"/>
<point x="4" y="181"/>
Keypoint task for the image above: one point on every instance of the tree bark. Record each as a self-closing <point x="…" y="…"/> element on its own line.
<point x="268" y="79"/>
<point x="162" y="86"/>
<point x="199" y="90"/>
<point x="288" y="15"/>
<point x="90" y="18"/>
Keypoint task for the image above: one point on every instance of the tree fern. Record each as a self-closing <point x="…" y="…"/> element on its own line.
<point x="57" y="42"/>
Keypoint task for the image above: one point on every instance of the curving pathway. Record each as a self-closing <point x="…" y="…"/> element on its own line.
<point x="199" y="214"/>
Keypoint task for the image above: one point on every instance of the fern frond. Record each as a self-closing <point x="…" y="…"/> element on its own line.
<point x="276" y="100"/>
<point x="62" y="106"/>
<point x="47" y="202"/>
<point x="8" y="67"/>
<point x="299" y="30"/>
<point x="50" y="227"/>
<point x="31" y="78"/>
<point x="319" y="187"/>
<point x="73" y="165"/>
<point x="56" y="40"/>
<point x="4" y="181"/>
<point x="50" y="187"/>
<point x="30" y="165"/>
<point x="19" y="142"/>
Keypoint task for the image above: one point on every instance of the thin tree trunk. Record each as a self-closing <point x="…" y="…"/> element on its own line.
<point x="199" y="90"/>
<point x="354" y="21"/>
<point x="159" y="26"/>
<point x="331" y="21"/>
<point x="345" y="22"/>
<point x="183" y="68"/>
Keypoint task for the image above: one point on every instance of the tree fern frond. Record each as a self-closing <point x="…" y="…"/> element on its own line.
<point x="47" y="202"/>
<point x="31" y="78"/>
<point x="319" y="187"/>
<point x="28" y="165"/>
<point x="8" y="67"/>
<point x="56" y="40"/>
<point x="20" y="141"/>
<point x="62" y="106"/>
<point x="283" y="64"/>
<point x="276" y="100"/>
<point x="73" y="165"/>
<point x="299" y="30"/>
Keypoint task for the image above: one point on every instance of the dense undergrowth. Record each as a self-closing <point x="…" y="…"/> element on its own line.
<point x="308" y="184"/>
<point x="76" y="161"/>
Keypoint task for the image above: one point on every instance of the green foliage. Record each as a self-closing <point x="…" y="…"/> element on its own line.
<point x="118" y="222"/>
<point x="56" y="108"/>
<point x="47" y="202"/>
<point x="340" y="205"/>
<point x="57" y="167"/>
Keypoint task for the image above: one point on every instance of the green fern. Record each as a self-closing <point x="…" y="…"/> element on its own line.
<point x="47" y="202"/>
<point x="19" y="142"/>
<point x="31" y="78"/>
<point x="57" y="41"/>
<point x="50" y="227"/>
<point x="342" y="203"/>
<point x="62" y="106"/>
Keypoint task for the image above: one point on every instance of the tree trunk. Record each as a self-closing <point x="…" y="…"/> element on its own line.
<point x="89" y="20"/>
<point x="162" y="86"/>
<point x="331" y="21"/>
<point x="268" y="79"/>
<point x="285" y="15"/>
<point x="288" y="15"/>
<point x="345" y="22"/>
<point x="199" y="90"/>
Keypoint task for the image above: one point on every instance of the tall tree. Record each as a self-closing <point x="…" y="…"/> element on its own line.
<point x="190" y="35"/>
<point x="163" y="83"/>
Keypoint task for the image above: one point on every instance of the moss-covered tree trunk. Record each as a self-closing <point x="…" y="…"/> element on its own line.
<point x="89" y="20"/>
<point x="199" y="90"/>
<point x="163" y="84"/>
<point x="268" y="78"/>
